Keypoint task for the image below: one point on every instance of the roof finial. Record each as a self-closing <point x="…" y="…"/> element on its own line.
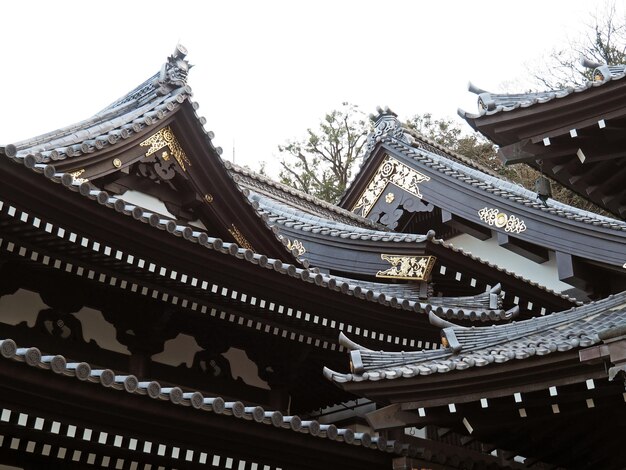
<point x="590" y="64"/>
<point x="386" y="123"/>
<point x="174" y="71"/>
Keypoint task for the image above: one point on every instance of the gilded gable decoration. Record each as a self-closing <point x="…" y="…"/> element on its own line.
<point x="239" y="238"/>
<point x="166" y="138"/>
<point x="391" y="171"/>
<point x="76" y="175"/>
<point x="296" y="245"/>
<point x="509" y="223"/>
<point x="416" y="268"/>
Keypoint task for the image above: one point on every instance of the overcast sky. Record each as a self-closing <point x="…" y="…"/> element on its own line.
<point x="265" y="71"/>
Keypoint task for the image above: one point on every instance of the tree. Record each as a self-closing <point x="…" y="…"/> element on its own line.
<point x="322" y="163"/>
<point x="603" y="41"/>
<point x="447" y="133"/>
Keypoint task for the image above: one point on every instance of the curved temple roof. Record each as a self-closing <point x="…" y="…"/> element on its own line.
<point x="493" y="103"/>
<point x="468" y="198"/>
<point x="579" y="327"/>
<point x="152" y="389"/>
<point x="573" y="135"/>
<point x="466" y="172"/>
<point x="283" y="208"/>
<point x="110" y="142"/>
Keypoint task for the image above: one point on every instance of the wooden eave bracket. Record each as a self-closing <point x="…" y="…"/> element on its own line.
<point x="615" y="343"/>
<point x="392" y="416"/>
<point x="594" y="354"/>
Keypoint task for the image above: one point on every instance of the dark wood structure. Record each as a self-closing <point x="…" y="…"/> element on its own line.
<point x="574" y="135"/>
<point x="162" y="308"/>
<point x="543" y="392"/>
<point x="156" y="302"/>
<point x="413" y="185"/>
<point x="534" y="388"/>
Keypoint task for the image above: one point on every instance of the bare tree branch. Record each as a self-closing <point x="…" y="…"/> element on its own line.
<point x="603" y="41"/>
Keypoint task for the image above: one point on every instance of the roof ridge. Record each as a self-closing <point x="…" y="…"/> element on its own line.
<point x="152" y="389"/>
<point x="496" y="334"/>
<point x="481" y="346"/>
<point x="173" y="74"/>
<point x="512" y="190"/>
<point x="304" y="196"/>
<point x="493" y="103"/>
<point x="284" y="217"/>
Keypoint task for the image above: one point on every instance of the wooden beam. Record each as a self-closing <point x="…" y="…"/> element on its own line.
<point x="525" y="151"/>
<point x="392" y="416"/>
<point x="465" y="226"/>
<point x="588" y="154"/>
<point x="533" y="252"/>
<point x="615" y="180"/>
<point x="570" y="271"/>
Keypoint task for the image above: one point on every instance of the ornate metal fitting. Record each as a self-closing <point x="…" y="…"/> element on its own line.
<point x="389" y="198"/>
<point x="415" y="268"/>
<point x="509" y="223"/>
<point x="166" y="138"/>
<point x="296" y="245"/>
<point x="76" y="176"/>
<point x="208" y="197"/>
<point x="239" y="238"/>
<point x="117" y="163"/>
<point x="390" y="171"/>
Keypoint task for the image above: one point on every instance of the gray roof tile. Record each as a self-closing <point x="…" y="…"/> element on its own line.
<point x="499" y="186"/>
<point x="578" y="327"/>
<point x="493" y="103"/>
<point x="151" y="389"/>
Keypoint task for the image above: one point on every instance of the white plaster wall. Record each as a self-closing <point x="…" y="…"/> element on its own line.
<point x="489" y="250"/>
<point x="183" y="348"/>
<point x="96" y="328"/>
<point x="147" y="202"/>
<point x="242" y="366"/>
<point x="177" y="351"/>
<point x="155" y="205"/>
<point x="22" y="306"/>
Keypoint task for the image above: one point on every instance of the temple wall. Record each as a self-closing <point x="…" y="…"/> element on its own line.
<point x="489" y="250"/>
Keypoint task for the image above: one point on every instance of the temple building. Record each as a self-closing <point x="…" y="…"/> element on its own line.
<point x="161" y="308"/>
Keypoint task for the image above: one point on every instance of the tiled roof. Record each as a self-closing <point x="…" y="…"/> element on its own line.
<point x="192" y="234"/>
<point x="480" y="307"/>
<point x="391" y="132"/>
<point x="481" y="346"/>
<point x="281" y="214"/>
<point x="279" y="192"/>
<point x="493" y="103"/>
<point x="151" y="389"/>
<point x="501" y="188"/>
<point x="146" y="106"/>
<point x="292" y="217"/>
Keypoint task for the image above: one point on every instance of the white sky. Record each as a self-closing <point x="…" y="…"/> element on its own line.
<point x="265" y="71"/>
